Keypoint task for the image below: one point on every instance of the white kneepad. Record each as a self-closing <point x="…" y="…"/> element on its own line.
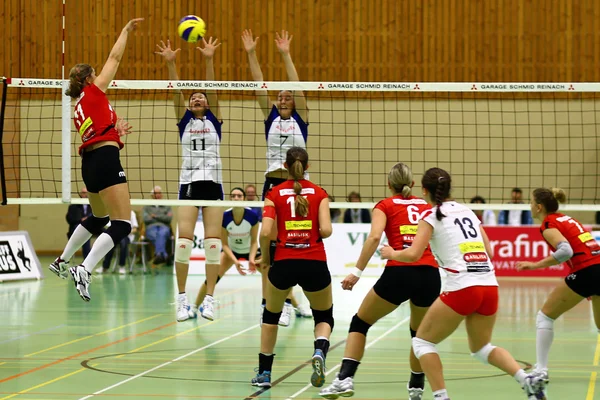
<point x="212" y="250"/>
<point x="484" y="353"/>
<point x="542" y="321"/>
<point x="422" y="347"/>
<point x="183" y="250"/>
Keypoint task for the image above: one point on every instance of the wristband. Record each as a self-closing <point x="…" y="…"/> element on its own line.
<point x="356" y="272"/>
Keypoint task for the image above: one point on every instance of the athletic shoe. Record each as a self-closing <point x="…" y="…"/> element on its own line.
<point x="262" y="380"/>
<point x="543" y="374"/>
<point x="60" y="268"/>
<point x="183" y="308"/>
<point x="338" y="388"/>
<point x="208" y="311"/>
<point x="414" y="393"/>
<point x="534" y="386"/>
<point x="302" y="312"/>
<point x="286" y="315"/>
<point x="82" y="280"/>
<point x="318" y="364"/>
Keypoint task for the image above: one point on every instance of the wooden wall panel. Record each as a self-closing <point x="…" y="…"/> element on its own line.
<point x="367" y="40"/>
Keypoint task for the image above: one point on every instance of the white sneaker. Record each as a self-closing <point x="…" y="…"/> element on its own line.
<point x="60" y="268"/>
<point x="183" y="308"/>
<point x="208" y="308"/>
<point x="303" y="312"/>
<point x="122" y="271"/>
<point x="534" y="386"/>
<point x="286" y="315"/>
<point x="338" y="388"/>
<point x="82" y="280"/>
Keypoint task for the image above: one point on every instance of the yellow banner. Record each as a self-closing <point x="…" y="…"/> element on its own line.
<point x="86" y="124"/>
<point x="471" y="247"/>
<point x="584" y="237"/>
<point x="298" y="225"/>
<point x="408" y="230"/>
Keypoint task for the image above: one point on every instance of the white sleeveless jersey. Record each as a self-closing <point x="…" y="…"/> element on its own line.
<point x="458" y="246"/>
<point x="200" y="142"/>
<point x="239" y="235"/>
<point x="282" y="134"/>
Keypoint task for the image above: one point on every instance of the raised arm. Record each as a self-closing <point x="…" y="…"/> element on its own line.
<point x="208" y="52"/>
<point x="262" y="96"/>
<point x="114" y="58"/>
<point x="283" y="45"/>
<point x="169" y="55"/>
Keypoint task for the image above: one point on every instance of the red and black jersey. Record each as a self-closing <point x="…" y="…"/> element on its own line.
<point x="95" y="118"/>
<point x="298" y="236"/>
<point x="586" y="251"/>
<point x="403" y="215"/>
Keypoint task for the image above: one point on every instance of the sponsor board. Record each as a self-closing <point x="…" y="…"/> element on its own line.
<point x="17" y="257"/>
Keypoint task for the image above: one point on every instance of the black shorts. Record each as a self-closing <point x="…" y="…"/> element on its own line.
<point x="271" y="182"/>
<point x="311" y="275"/>
<point x="585" y="282"/>
<point x="419" y="284"/>
<point x="101" y="168"/>
<point x="244" y="256"/>
<point x="201" y="190"/>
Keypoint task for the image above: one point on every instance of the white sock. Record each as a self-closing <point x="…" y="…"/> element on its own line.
<point x="79" y="237"/>
<point x="542" y="346"/>
<point x="520" y="377"/>
<point x="440" y="394"/>
<point x="322" y="337"/>
<point x="101" y="247"/>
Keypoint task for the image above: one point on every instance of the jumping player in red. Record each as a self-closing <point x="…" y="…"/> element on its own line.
<point x="463" y="250"/>
<point x="418" y="281"/>
<point x="301" y="209"/>
<point x="103" y="175"/>
<point x="575" y="245"/>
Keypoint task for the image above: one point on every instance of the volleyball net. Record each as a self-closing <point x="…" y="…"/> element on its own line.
<point x="492" y="137"/>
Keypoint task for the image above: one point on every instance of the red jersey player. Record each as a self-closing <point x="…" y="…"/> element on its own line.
<point x="573" y="244"/>
<point x="103" y="175"/>
<point x="301" y="209"/>
<point x="418" y="281"/>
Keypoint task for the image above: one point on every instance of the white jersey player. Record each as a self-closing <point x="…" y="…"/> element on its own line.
<point x="200" y="132"/>
<point x="462" y="248"/>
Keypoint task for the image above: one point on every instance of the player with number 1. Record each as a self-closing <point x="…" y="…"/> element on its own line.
<point x="201" y="176"/>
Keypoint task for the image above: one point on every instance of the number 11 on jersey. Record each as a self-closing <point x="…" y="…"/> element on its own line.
<point x="195" y="146"/>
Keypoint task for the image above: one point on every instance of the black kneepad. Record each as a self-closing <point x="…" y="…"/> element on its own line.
<point x="323" y="316"/>
<point x="358" y="325"/>
<point x="412" y="333"/>
<point x="118" y="230"/>
<point x="270" y="317"/>
<point x="95" y="225"/>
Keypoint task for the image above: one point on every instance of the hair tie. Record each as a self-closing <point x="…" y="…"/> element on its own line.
<point x="440" y="179"/>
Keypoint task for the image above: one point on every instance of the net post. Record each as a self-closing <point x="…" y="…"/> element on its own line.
<point x="66" y="143"/>
<point x="2" y="114"/>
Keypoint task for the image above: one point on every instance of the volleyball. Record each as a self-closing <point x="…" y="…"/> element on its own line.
<point x="191" y="28"/>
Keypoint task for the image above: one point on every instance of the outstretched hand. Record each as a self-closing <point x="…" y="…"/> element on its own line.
<point x="209" y="47"/>
<point x="283" y="41"/>
<point x="123" y="127"/>
<point x="249" y="41"/>
<point x="131" y="25"/>
<point x="166" y="51"/>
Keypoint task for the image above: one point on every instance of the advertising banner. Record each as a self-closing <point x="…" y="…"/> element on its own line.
<point x="17" y="257"/>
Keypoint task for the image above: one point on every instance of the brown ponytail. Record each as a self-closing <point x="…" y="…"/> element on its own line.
<point x="438" y="183"/>
<point x="77" y="77"/>
<point x="297" y="162"/>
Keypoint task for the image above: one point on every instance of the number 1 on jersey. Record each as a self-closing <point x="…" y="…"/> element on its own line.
<point x="292" y="202"/>
<point x="202" y="141"/>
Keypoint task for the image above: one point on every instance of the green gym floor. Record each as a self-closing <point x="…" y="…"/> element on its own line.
<point x="126" y="344"/>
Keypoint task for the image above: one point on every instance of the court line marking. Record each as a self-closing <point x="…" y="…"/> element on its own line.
<point x="593" y="376"/>
<point x="371" y="343"/>
<point x="169" y="362"/>
<point x="91" y="336"/>
<point x="33" y="333"/>
<point x="43" y="384"/>
<point x="85" y="352"/>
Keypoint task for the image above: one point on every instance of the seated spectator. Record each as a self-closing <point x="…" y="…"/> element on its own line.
<point x="123" y="248"/>
<point x="515" y="217"/>
<point x="357" y="215"/>
<point x="486" y="217"/>
<point x="158" y="226"/>
<point x="251" y="196"/>
<point x="334" y="213"/>
<point x="76" y="214"/>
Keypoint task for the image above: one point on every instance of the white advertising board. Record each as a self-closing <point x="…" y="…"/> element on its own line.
<point x="17" y="257"/>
